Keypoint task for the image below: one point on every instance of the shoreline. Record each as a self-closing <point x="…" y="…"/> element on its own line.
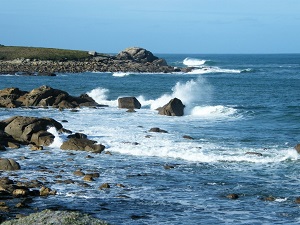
<point x="133" y="59"/>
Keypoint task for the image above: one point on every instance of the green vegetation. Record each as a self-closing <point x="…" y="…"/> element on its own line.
<point x="16" y="52"/>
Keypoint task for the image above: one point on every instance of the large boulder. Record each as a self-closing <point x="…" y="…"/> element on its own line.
<point x="129" y="103"/>
<point x="9" y="164"/>
<point x="175" y="107"/>
<point x="31" y="129"/>
<point x="137" y="54"/>
<point x="82" y="144"/>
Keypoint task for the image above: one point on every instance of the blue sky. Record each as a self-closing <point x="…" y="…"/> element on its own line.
<point x="161" y="26"/>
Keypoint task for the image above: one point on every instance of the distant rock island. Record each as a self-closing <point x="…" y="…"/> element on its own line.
<point x="49" y="61"/>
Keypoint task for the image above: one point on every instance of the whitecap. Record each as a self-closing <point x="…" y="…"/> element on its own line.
<point x="193" y="62"/>
<point x="120" y="74"/>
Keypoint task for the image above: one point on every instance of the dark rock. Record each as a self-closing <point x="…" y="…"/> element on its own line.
<point x="232" y="196"/>
<point x="9" y="164"/>
<point x="78" y="135"/>
<point x="254" y="153"/>
<point x="173" y="108"/>
<point x="104" y="186"/>
<point x="157" y="130"/>
<point x="188" y="137"/>
<point x="297" y="147"/>
<point x="129" y="103"/>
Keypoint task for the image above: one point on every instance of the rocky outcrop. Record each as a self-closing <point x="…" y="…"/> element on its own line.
<point x="56" y="218"/>
<point x="9" y="164"/>
<point x="130" y="60"/>
<point x="129" y="103"/>
<point x="30" y="130"/>
<point x="173" y="108"/>
<point x="42" y="97"/>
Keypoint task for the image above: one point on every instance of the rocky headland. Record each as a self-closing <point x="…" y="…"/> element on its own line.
<point x="132" y="59"/>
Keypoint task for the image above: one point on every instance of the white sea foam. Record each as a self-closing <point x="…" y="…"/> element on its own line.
<point x="214" y="112"/>
<point x="192" y="62"/>
<point x="190" y="92"/>
<point x="100" y="95"/>
<point x="57" y="140"/>
<point x="120" y="74"/>
<point x="204" y="70"/>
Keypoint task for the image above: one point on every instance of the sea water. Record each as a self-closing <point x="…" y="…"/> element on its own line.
<point x="234" y="104"/>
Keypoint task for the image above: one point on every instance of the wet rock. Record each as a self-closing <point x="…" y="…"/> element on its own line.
<point x="79" y="173"/>
<point x="104" y="186"/>
<point x="13" y="145"/>
<point x="232" y="196"/>
<point x="56" y="217"/>
<point x="35" y="148"/>
<point x="297" y="200"/>
<point x="82" y="145"/>
<point x="88" y="177"/>
<point x="31" y="129"/>
<point x="254" y="153"/>
<point x="188" y="137"/>
<point x="129" y="103"/>
<point x="21" y="192"/>
<point x="173" y="108"/>
<point x="297" y="147"/>
<point x="45" y="191"/>
<point x="9" y="164"/>
<point x="78" y="135"/>
<point x="157" y="130"/>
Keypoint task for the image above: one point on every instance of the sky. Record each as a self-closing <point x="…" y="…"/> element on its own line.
<point x="160" y="26"/>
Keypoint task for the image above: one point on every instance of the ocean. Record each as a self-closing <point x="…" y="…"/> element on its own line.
<point x="242" y="112"/>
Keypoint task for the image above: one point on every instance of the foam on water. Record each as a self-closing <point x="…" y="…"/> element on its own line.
<point x="120" y="74"/>
<point x="100" y="95"/>
<point x="58" y="140"/>
<point x="213" y="112"/>
<point x="192" y="62"/>
<point x="205" y="70"/>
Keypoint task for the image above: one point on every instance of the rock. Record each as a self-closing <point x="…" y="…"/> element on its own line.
<point x="173" y="108"/>
<point x="129" y="103"/>
<point x="35" y="147"/>
<point x="232" y="196"/>
<point x="9" y="164"/>
<point x="79" y="173"/>
<point x="104" y="186"/>
<point x="45" y="191"/>
<point x="297" y="147"/>
<point x="254" y="153"/>
<point x="56" y="218"/>
<point x="297" y="200"/>
<point x="188" y="137"/>
<point x="82" y="145"/>
<point x="21" y="192"/>
<point x="78" y="135"/>
<point x="13" y="145"/>
<point x="31" y="129"/>
<point x="157" y="130"/>
<point x="137" y="54"/>
<point x="88" y="177"/>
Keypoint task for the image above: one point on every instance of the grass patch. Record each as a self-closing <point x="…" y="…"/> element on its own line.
<point x="16" y="52"/>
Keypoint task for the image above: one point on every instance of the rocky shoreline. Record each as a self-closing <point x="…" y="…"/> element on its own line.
<point x="133" y="59"/>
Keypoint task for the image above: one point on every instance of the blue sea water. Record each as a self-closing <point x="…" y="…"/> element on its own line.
<point x="235" y="104"/>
